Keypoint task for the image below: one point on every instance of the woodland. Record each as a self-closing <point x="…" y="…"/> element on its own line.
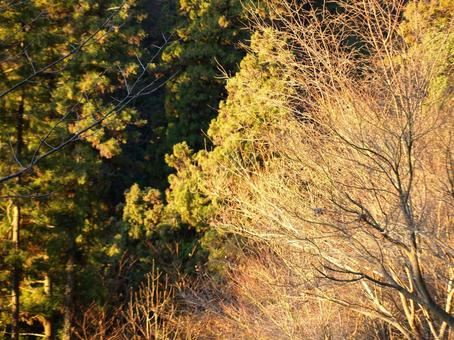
<point x="227" y="169"/>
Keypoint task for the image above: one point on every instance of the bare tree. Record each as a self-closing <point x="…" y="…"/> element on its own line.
<point x="149" y="314"/>
<point x="354" y="187"/>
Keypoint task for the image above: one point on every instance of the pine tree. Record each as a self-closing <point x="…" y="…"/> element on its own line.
<point x="207" y="35"/>
<point x="236" y="133"/>
<point x="52" y="215"/>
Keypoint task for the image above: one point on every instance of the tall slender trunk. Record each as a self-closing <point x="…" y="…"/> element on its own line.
<point x="16" y="227"/>
<point x="16" y="271"/>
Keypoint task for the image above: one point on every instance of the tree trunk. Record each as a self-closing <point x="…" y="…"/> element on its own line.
<point x="16" y="271"/>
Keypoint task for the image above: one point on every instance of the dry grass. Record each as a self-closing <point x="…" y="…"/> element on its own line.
<point x="262" y="299"/>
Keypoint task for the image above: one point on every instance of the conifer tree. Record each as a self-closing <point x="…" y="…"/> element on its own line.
<point x="207" y="35"/>
<point x="71" y="60"/>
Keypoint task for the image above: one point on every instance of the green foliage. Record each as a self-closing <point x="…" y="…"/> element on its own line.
<point x="256" y="100"/>
<point x="184" y="196"/>
<point x="205" y="38"/>
<point x="142" y="211"/>
<point x="427" y="24"/>
<point x="70" y="217"/>
<point x="207" y="35"/>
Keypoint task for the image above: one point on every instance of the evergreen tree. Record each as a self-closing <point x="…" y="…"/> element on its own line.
<point x="52" y="217"/>
<point x="207" y="35"/>
<point x="255" y="102"/>
<point x="189" y="204"/>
